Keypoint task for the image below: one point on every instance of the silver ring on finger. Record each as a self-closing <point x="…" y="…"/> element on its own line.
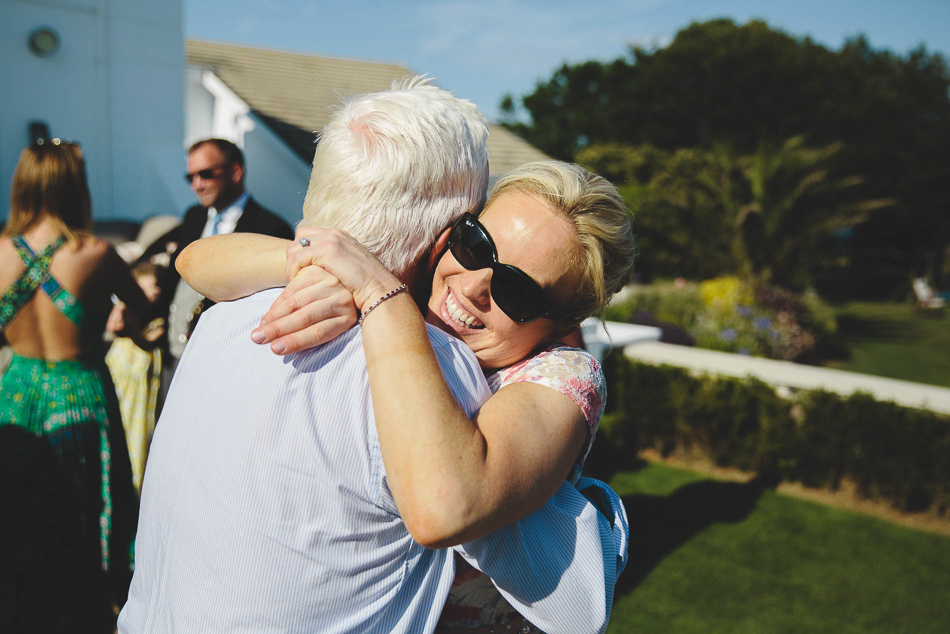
<point x="305" y="242"/>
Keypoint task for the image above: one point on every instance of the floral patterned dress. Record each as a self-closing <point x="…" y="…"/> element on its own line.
<point x="473" y="601"/>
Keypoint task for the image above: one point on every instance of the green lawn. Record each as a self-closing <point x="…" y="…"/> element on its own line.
<point x="710" y="556"/>
<point x="896" y="341"/>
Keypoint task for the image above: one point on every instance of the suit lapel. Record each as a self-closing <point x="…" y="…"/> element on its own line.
<point x="247" y="223"/>
<point x="192" y="226"/>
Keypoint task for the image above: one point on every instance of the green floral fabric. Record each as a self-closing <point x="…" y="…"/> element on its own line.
<point x="37" y="276"/>
<point x="65" y="402"/>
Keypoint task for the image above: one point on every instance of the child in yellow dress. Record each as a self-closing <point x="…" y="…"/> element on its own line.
<point x="136" y="368"/>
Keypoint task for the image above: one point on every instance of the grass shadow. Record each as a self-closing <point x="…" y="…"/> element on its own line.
<point x="851" y="325"/>
<point x="660" y="524"/>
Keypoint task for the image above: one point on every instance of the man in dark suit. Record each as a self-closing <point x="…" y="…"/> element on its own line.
<point x="216" y="174"/>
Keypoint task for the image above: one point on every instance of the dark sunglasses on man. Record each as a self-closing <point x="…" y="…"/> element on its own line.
<point x="206" y="174"/>
<point x="514" y="292"/>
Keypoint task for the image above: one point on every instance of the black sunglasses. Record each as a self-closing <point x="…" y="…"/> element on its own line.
<point x="206" y="174"/>
<point x="515" y="293"/>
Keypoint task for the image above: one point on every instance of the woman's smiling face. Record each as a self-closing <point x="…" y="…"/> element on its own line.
<point x="528" y="235"/>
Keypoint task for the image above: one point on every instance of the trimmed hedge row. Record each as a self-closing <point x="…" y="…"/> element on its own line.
<point x="818" y="438"/>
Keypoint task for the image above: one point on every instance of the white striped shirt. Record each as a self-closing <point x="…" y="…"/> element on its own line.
<point x="265" y="506"/>
<point x="558" y="566"/>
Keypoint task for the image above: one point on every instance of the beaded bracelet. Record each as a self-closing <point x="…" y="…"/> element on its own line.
<point x="392" y="293"/>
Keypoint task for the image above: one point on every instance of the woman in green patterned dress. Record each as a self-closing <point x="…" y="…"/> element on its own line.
<point x="57" y="281"/>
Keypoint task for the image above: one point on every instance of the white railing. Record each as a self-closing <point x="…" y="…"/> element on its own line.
<point x="786" y="376"/>
<point x="601" y="336"/>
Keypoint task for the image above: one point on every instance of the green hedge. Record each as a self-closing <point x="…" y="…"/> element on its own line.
<point x="818" y="438"/>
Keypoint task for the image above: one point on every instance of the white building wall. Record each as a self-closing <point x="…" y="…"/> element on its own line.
<point x="115" y="84"/>
<point x="147" y="53"/>
<point x="199" y="106"/>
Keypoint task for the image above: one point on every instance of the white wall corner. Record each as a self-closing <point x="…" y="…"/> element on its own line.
<point x="230" y="119"/>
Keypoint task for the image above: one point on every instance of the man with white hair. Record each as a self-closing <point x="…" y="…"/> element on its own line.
<point x="265" y="505"/>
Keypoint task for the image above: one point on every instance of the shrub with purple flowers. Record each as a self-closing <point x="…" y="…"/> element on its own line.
<point x="727" y="314"/>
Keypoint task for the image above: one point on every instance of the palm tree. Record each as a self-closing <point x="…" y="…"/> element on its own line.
<point x="782" y="201"/>
<point x="763" y="216"/>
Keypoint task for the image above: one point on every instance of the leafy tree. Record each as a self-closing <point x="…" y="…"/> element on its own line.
<point x="790" y="200"/>
<point x="678" y="212"/>
<point x="718" y="84"/>
<point x="762" y="216"/>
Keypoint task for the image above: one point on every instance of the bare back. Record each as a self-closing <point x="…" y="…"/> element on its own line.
<point x="91" y="271"/>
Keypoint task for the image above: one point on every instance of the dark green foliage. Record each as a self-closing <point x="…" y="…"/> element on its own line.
<point x="681" y="209"/>
<point x="681" y="304"/>
<point x="824" y="447"/>
<point x="769" y="215"/>
<point x="890" y="452"/>
<point x="748" y="87"/>
<point x="738" y="423"/>
<point x="632" y="423"/>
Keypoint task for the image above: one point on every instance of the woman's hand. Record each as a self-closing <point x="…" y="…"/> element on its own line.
<point x="331" y="280"/>
<point x="346" y="259"/>
<point x="115" y="324"/>
<point x="124" y="322"/>
<point x="313" y="309"/>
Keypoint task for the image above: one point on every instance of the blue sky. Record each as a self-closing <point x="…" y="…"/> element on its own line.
<point x="483" y="49"/>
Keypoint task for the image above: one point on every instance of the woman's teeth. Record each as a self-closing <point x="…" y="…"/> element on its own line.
<point x="461" y="317"/>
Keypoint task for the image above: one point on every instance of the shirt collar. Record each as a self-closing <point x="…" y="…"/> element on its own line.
<point x="236" y="207"/>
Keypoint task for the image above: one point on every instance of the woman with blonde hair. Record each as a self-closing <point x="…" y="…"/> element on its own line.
<point x="57" y="281"/>
<point x="552" y="245"/>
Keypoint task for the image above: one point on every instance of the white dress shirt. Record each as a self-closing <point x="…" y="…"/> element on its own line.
<point x="265" y="505"/>
<point x="224" y="221"/>
<point x="181" y="311"/>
